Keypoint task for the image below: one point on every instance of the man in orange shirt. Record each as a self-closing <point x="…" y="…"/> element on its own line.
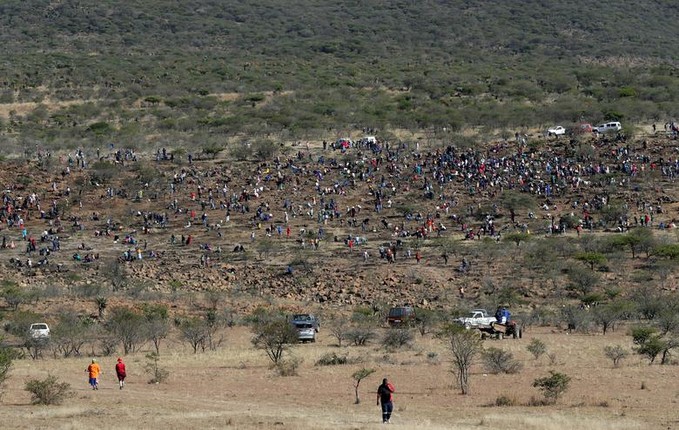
<point x="94" y="370"/>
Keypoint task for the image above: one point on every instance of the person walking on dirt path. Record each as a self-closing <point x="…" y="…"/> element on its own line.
<point x="386" y="398"/>
<point x="94" y="371"/>
<point x="121" y="373"/>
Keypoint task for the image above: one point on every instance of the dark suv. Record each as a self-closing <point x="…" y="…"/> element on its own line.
<point x="401" y="315"/>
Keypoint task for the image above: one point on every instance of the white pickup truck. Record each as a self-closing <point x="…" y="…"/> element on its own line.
<point x="477" y="318"/>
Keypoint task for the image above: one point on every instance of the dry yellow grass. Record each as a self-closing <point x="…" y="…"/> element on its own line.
<point x="234" y="387"/>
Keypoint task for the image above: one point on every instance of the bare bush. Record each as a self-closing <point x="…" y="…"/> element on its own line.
<point x="361" y="336"/>
<point x="465" y="345"/>
<point x="397" y="338"/>
<point x="615" y="353"/>
<point x="537" y="348"/>
<point x="496" y="361"/>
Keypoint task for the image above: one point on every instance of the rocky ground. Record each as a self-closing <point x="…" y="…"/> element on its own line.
<point x="114" y="195"/>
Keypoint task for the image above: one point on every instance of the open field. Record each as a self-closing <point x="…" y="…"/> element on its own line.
<point x="177" y="170"/>
<point x="234" y="388"/>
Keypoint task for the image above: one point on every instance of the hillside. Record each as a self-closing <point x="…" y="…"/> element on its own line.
<point x="201" y="70"/>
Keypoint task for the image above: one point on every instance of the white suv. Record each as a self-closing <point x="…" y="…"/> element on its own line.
<point x="39" y="331"/>
<point x="608" y="127"/>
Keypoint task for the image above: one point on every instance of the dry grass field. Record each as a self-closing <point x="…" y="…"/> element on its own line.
<point x="234" y="387"/>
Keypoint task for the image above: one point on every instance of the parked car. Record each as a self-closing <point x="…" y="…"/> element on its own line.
<point x="580" y="129"/>
<point x="305" y="331"/>
<point x="39" y="331"/>
<point x="307" y="318"/>
<point x="609" y="127"/>
<point x="401" y="315"/>
<point x="476" y="318"/>
<point x="556" y="131"/>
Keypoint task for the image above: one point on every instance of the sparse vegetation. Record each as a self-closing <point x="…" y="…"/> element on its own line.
<point x="397" y="338"/>
<point x="48" y="391"/>
<point x="553" y="386"/>
<point x="496" y="360"/>
<point x="615" y="353"/>
<point x="274" y="335"/>
<point x="537" y="347"/>
<point x="465" y="346"/>
<point x="157" y="373"/>
<point x="170" y="162"/>
<point x="358" y="376"/>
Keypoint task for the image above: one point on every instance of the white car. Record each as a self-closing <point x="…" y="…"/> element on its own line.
<point x="556" y="131"/>
<point x="476" y="318"/>
<point x="39" y="331"/>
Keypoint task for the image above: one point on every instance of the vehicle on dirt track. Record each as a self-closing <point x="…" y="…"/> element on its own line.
<point x="476" y="318"/>
<point x="556" y="131"/>
<point x="609" y="127"/>
<point x="39" y="331"/>
<point x="401" y="315"/>
<point x="500" y="331"/>
<point x="307" y="318"/>
<point x="305" y="332"/>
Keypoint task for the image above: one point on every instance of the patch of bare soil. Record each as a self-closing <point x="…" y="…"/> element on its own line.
<point x="234" y="387"/>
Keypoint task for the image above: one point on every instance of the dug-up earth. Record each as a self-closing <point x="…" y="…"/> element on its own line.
<point x="234" y="387"/>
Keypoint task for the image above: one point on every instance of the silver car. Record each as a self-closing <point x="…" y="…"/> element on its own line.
<point x="305" y="332"/>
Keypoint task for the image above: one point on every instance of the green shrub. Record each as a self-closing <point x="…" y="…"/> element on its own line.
<point x="48" y="391"/>
<point x="537" y="348"/>
<point x="552" y="386"/>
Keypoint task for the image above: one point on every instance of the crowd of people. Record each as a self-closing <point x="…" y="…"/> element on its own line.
<point x="360" y="191"/>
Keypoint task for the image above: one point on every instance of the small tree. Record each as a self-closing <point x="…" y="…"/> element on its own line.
<point x="465" y="345"/>
<point x="497" y="361"/>
<point x="157" y="324"/>
<point x="7" y="356"/>
<point x="426" y="321"/>
<point x="102" y="303"/>
<point x="648" y="342"/>
<point x="152" y="367"/>
<point x="608" y="314"/>
<point x="339" y="328"/>
<point x="128" y="326"/>
<point x="552" y="386"/>
<point x="615" y="353"/>
<point x="358" y="376"/>
<point x="274" y="336"/>
<point x="193" y="331"/>
<point x="48" y="391"/>
<point x="537" y="348"/>
<point x="70" y="334"/>
<point x="591" y="258"/>
<point x="517" y="238"/>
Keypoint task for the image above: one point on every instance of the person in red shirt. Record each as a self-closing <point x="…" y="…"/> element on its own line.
<point x="120" y="372"/>
<point x="386" y="398"/>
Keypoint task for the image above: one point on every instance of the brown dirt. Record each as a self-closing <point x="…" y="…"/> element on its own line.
<point x="234" y="388"/>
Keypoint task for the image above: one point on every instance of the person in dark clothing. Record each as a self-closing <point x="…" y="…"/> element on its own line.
<point x="386" y="398"/>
